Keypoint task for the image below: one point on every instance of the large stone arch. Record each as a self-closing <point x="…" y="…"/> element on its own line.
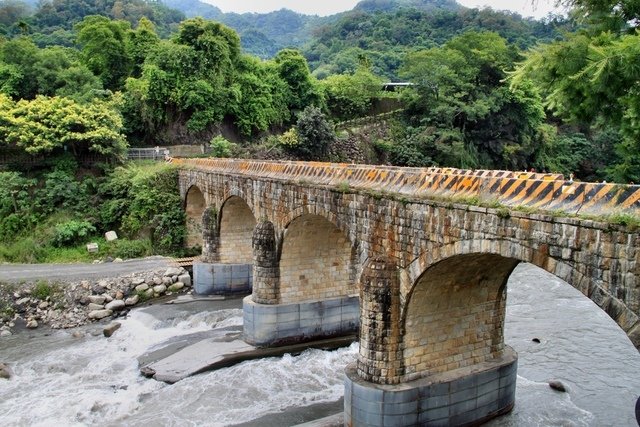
<point x="317" y="259"/>
<point x="476" y="271"/>
<point x="236" y="224"/>
<point x="194" y="206"/>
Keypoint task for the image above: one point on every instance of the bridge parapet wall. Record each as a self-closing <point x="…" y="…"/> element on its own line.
<point x="548" y="192"/>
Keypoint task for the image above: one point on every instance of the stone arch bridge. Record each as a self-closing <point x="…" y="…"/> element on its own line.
<point x="417" y="259"/>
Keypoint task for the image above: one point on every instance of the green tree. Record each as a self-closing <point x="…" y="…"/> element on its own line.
<point x="350" y="95"/>
<point x="104" y="49"/>
<point x="294" y="70"/>
<point x="466" y="115"/>
<point x="314" y="134"/>
<point x="46" y="124"/>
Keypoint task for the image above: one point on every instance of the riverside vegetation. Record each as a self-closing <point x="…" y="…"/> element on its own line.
<point x="81" y="81"/>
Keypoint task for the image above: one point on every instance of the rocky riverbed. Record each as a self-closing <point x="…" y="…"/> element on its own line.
<point x="62" y="305"/>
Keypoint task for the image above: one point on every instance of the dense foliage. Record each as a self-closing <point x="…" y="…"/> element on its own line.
<point x="65" y="209"/>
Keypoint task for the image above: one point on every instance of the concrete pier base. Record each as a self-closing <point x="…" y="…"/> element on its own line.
<point x="462" y="397"/>
<point x="222" y="279"/>
<point x="267" y="325"/>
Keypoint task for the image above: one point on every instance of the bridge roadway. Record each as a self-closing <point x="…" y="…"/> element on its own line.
<point x="409" y="258"/>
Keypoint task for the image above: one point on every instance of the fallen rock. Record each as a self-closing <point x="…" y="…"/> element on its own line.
<point x="176" y="287"/>
<point x="32" y="324"/>
<point x="115" y="305"/>
<point x="97" y="299"/>
<point x="93" y="307"/>
<point x="558" y="385"/>
<point x="5" y="371"/>
<point x="111" y="328"/>
<point x="159" y="289"/>
<point x="100" y="314"/>
<point x="132" y="300"/>
<point x="186" y="279"/>
<point x="141" y="288"/>
<point x="173" y="271"/>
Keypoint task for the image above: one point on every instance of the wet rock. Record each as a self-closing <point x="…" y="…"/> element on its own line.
<point x="132" y="300"/>
<point x="115" y="305"/>
<point x="111" y="328"/>
<point x="173" y="271"/>
<point x="558" y="385"/>
<point x="93" y="307"/>
<point x="176" y="287"/>
<point x="5" y="333"/>
<point x="186" y="279"/>
<point x="77" y="334"/>
<point x="536" y="340"/>
<point x="141" y="288"/>
<point x="32" y="324"/>
<point x="159" y="289"/>
<point x="5" y="371"/>
<point x="96" y="299"/>
<point x="100" y="314"/>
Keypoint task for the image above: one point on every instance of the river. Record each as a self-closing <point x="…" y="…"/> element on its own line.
<point x="65" y="381"/>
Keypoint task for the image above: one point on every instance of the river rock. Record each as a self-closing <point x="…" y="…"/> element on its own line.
<point x="558" y="385"/>
<point x="5" y="333"/>
<point x="5" y="371"/>
<point x="176" y="287"/>
<point x="77" y="334"/>
<point x="115" y="305"/>
<point x="173" y="271"/>
<point x="159" y="289"/>
<point x="97" y="299"/>
<point x="157" y="281"/>
<point x="111" y="328"/>
<point x="32" y="324"/>
<point x="142" y="287"/>
<point x="119" y="295"/>
<point x="132" y="300"/>
<point x="137" y="281"/>
<point x="23" y="301"/>
<point x="167" y="281"/>
<point x="43" y="305"/>
<point x="149" y="293"/>
<point x="100" y="314"/>
<point x="93" y="306"/>
<point x="186" y="279"/>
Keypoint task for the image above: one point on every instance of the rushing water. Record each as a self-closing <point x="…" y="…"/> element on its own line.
<point x="60" y="380"/>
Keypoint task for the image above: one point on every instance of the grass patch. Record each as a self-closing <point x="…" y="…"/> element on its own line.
<point x="42" y="290"/>
<point x="343" y="187"/>
<point x="626" y="219"/>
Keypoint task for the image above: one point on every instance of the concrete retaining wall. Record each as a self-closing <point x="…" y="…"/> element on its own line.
<point x="217" y="279"/>
<point x="277" y="324"/>
<point x="466" y="396"/>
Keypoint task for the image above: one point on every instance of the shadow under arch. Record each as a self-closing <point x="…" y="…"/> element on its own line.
<point x="236" y="223"/>
<point x="317" y="258"/>
<point x="194" y="206"/>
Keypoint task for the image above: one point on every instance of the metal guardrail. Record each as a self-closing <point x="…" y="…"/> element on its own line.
<point x="153" y="153"/>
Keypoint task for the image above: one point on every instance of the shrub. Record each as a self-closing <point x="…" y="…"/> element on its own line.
<point x="72" y="232"/>
<point x="127" y="249"/>
<point x="220" y="147"/>
<point x="42" y="290"/>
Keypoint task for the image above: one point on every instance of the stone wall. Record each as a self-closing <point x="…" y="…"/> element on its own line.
<point x="316" y="261"/>
<point x="236" y="228"/>
<point x="194" y="208"/>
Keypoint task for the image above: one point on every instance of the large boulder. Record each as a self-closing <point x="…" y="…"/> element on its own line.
<point x="111" y="328"/>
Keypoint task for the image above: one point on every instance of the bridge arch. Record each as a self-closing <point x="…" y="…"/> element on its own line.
<point x="236" y="224"/>
<point x="455" y="303"/>
<point x="194" y="206"/>
<point x="317" y="259"/>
